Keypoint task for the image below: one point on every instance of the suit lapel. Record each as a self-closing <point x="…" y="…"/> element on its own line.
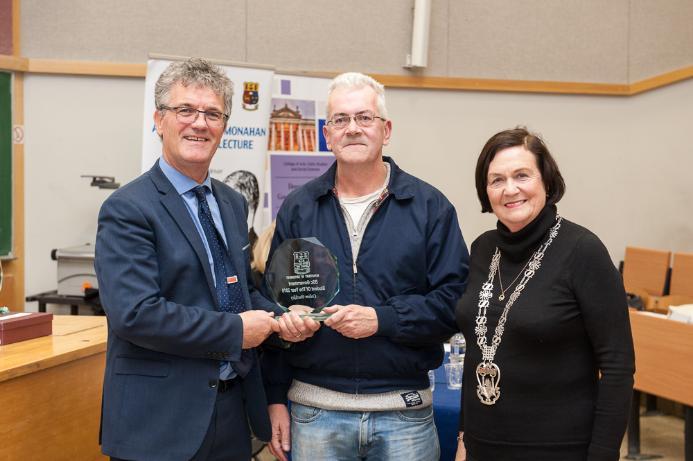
<point x="176" y="208"/>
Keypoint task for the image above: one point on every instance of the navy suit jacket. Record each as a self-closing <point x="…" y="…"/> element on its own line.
<point x="165" y="334"/>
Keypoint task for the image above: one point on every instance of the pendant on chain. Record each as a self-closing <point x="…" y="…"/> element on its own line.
<point x="488" y="380"/>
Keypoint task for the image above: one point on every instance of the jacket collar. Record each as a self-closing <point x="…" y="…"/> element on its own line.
<point x="175" y="206"/>
<point x="163" y="185"/>
<point x="400" y="187"/>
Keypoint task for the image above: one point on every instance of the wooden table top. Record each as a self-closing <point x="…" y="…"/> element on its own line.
<point x="73" y="337"/>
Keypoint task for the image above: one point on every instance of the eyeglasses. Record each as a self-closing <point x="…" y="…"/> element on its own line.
<point x="363" y="119"/>
<point x="185" y="114"/>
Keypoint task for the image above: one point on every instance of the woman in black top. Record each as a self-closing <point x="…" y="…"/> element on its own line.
<point x="547" y="306"/>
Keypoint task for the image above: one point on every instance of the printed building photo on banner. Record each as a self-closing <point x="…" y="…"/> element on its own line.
<point x="297" y="147"/>
<point x="292" y="125"/>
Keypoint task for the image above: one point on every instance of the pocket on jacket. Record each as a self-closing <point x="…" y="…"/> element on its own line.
<point x="142" y="367"/>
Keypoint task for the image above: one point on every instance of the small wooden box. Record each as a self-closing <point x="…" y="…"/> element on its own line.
<point x="20" y="326"/>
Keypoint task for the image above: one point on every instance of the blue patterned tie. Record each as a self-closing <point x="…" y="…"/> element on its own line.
<point x="229" y="295"/>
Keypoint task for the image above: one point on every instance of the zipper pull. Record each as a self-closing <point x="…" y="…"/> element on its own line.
<point x="354" y="268"/>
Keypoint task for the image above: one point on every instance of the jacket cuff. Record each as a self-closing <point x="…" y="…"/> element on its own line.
<point x="276" y="394"/>
<point x="387" y="320"/>
<point x="234" y="354"/>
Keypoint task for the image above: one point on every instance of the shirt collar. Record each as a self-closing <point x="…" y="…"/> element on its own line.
<point x="180" y="182"/>
<point x="400" y="184"/>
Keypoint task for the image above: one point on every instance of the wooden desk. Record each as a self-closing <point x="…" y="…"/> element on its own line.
<point x="663" y="357"/>
<point x="663" y="367"/>
<point x="50" y="392"/>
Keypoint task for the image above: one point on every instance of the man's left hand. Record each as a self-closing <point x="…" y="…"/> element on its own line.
<point x="352" y="321"/>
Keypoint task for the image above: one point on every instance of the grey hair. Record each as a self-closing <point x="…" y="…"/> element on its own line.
<point x="355" y="81"/>
<point x="196" y="72"/>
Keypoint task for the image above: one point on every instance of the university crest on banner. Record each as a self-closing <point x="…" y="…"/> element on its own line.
<point x="251" y="95"/>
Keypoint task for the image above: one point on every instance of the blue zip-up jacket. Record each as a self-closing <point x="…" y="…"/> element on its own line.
<point x="411" y="268"/>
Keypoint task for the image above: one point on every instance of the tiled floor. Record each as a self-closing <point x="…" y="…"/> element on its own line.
<point x="265" y="455"/>
<point x="662" y="435"/>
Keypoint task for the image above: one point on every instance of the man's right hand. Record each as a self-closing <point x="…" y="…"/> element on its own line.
<point x="257" y="326"/>
<point x="294" y="328"/>
<point x="281" y="430"/>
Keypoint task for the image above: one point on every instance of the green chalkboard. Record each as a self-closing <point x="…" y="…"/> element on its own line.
<point x="5" y="164"/>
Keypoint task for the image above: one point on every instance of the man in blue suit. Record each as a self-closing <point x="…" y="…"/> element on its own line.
<point x="181" y="380"/>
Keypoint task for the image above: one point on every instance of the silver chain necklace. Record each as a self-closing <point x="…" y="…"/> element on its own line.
<point x="487" y="372"/>
<point x="501" y="296"/>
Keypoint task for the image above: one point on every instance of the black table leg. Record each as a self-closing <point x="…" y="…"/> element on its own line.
<point x="688" y="431"/>
<point x="651" y="405"/>
<point x="42" y="306"/>
<point x="634" y="431"/>
<point x="74" y="309"/>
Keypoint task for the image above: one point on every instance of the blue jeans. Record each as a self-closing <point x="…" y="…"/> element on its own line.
<point x="330" y="435"/>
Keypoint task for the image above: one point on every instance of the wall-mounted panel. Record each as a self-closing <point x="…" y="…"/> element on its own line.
<point x="661" y="37"/>
<point x="300" y="35"/>
<point x="127" y="30"/>
<point x="601" y="41"/>
<point x="577" y="40"/>
<point x="6" y="27"/>
<point x="332" y="35"/>
<point x="438" y="40"/>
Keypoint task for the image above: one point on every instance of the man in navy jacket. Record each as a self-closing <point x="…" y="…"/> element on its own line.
<point x="359" y="385"/>
<point x="172" y="249"/>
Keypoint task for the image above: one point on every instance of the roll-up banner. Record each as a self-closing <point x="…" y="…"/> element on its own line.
<point x="297" y="148"/>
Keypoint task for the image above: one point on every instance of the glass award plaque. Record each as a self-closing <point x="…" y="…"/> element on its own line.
<point x="303" y="277"/>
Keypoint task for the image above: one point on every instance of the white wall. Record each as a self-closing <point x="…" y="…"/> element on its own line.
<point x="627" y="161"/>
<point x="74" y="126"/>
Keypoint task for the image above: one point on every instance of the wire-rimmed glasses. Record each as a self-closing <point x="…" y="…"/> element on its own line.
<point x="363" y="119"/>
<point x="186" y="114"/>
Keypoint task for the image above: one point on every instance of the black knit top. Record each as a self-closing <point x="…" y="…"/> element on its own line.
<point x="566" y="356"/>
